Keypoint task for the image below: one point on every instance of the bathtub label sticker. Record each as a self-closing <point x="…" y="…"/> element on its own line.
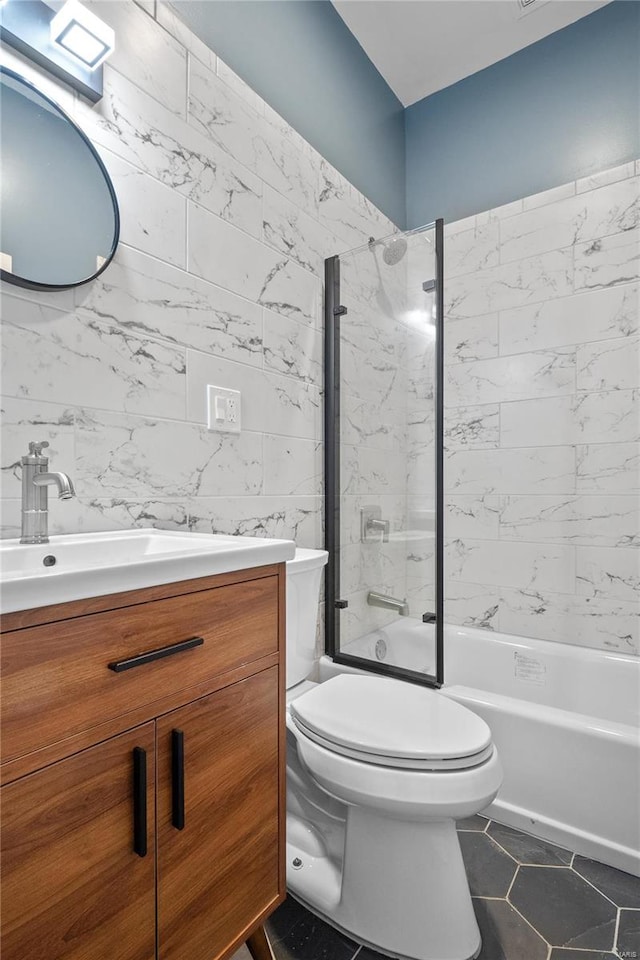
<point x="529" y="669"/>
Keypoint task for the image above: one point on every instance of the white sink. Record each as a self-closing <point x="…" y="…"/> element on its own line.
<point x="95" y="564"/>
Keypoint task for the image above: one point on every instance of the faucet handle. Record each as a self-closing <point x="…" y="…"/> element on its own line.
<point x="35" y="455"/>
<point x="35" y="449"/>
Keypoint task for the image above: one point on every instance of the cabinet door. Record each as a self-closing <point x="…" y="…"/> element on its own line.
<point x="73" y="888"/>
<point x="218" y="865"/>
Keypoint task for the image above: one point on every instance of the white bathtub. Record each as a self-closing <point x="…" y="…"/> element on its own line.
<point x="565" y="720"/>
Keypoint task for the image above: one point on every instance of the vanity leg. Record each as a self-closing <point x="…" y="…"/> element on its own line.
<point x="258" y="945"/>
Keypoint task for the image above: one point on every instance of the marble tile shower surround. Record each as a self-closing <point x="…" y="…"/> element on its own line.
<point x="227" y="216"/>
<point x="542" y="415"/>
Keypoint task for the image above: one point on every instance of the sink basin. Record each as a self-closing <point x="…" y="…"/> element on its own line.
<point x="94" y="564"/>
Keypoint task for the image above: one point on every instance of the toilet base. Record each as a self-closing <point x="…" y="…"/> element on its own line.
<point x="405" y="895"/>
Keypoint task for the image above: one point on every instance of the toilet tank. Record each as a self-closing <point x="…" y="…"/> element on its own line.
<point x="304" y="574"/>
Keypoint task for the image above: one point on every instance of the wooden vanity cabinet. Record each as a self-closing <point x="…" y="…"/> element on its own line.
<point x="153" y="830"/>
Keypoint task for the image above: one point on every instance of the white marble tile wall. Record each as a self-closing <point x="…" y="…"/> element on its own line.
<point x="227" y="216"/>
<point x="542" y="415"/>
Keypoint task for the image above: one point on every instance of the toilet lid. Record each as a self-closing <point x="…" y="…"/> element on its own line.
<point x="387" y="720"/>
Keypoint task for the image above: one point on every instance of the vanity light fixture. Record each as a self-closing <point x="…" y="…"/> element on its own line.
<point x="71" y="44"/>
<point x="82" y="34"/>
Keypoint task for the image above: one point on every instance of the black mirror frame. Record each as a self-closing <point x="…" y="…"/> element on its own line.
<point x="30" y="284"/>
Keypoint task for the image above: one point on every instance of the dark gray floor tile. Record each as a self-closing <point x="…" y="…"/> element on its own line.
<point x="564" y="909"/>
<point x="296" y="933"/>
<point x="628" y="942"/>
<point x="505" y="935"/>
<point x="527" y="849"/>
<point x="489" y="869"/>
<point x="558" y="953"/>
<point x="622" y="888"/>
<point x="473" y="823"/>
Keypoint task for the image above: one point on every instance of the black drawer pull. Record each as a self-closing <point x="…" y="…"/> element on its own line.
<point x="140" y="801"/>
<point x="141" y="658"/>
<point x="177" y="779"/>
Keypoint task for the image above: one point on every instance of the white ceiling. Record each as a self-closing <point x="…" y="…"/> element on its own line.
<point x="420" y="46"/>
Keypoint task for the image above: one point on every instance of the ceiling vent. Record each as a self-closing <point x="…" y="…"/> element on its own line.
<point x="526" y="6"/>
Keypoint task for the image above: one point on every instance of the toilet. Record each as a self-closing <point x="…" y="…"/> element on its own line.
<point x="378" y="771"/>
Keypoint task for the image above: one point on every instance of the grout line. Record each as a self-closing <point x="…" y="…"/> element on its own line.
<point x="597" y="889"/>
<point x="513" y="880"/>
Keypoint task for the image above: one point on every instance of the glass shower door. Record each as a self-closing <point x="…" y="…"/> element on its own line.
<point x="384" y="456"/>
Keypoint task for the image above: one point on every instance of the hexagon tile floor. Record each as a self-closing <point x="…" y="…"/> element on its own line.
<point x="533" y="901"/>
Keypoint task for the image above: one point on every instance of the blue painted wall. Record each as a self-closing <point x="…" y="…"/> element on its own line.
<point x="304" y="61"/>
<point x="562" y="108"/>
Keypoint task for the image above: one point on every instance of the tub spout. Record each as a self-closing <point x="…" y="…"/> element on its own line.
<point x="388" y="603"/>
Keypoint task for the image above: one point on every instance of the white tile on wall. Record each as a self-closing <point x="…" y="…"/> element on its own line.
<point x="608" y="468"/>
<point x="608" y="572"/>
<point x="608" y="365"/>
<point x="138" y="129"/>
<point x="171" y="22"/>
<point x="72" y="358"/>
<point x="473" y="339"/>
<point x="140" y="457"/>
<point x="549" y="196"/>
<point x="531" y="280"/>
<point x="292" y="466"/>
<point x="606" y="624"/>
<point x="145" y="53"/>
<point x="605" y="521"/>
<point x="153" y="218"/>
<point x="543" y="374"/>
<point x="270" y="402"/>
<point x="289" y="517"/>
<point x="472" y="516"/>
<point x="526" y="470"/>
<point x="224" y="255"/>
<point x="294" y="233"/>
<point x="292" y="348"/>
<point x="595" y="315"/>
<point x="237" y="84"/>
<point x="472" y="427"/>
<point x="468" y="251"/>
<point x="259" y="143"/>
<point x="605" y="176"/>
<point x="149" y="297"/>
<point x="606" y="417"/>
<point x="613" y="259"/>
<point x="548" y="566"/>
<point x="585" y="218"/>
<point x="473" y="604"/>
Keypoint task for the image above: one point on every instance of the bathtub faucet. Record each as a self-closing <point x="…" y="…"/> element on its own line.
<point x="388" y="603"/>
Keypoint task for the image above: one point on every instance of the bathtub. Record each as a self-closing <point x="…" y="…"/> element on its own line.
<point x="565" y="720"/>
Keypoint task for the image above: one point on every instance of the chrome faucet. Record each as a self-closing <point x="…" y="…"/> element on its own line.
<point x="388" y="603"/>
<point x="372" y="525"/>
<point x="35" y="506"/>
<point x="378" y="526"/>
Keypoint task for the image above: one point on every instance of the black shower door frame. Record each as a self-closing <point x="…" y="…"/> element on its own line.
<point x="334" y="310"/>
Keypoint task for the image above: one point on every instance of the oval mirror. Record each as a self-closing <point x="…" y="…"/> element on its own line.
<point x="59" y="221"/>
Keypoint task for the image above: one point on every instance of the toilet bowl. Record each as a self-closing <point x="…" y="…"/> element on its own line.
<point x="378" y="771"/>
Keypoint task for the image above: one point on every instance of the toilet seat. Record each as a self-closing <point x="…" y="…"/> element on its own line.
<point x="390" y="723"/>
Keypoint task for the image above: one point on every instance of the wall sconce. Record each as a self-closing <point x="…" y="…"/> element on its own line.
<point x="71" y="44"/>
<point x="82" y="34"/>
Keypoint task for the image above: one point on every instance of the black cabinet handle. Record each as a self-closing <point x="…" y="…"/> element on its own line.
<point x="177" y="779"/>
<point x="141" y="658"/>
<point x="140" y="801"/>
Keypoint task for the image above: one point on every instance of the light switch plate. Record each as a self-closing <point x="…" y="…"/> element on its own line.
<point x="223" y="409"/>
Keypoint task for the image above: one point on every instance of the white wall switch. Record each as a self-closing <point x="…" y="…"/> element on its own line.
<point x="223" y="409"/>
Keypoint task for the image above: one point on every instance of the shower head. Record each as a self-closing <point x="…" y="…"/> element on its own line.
<point x="392" y="250"/>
